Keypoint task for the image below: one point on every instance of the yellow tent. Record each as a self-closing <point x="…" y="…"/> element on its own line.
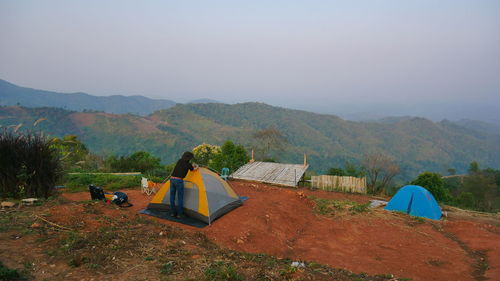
<point x="206" y="197"/>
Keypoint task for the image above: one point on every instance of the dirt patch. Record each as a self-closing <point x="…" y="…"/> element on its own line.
<point x="83" y="119"/>
<point x="282" y="222"/>
<point x="145" y="126"/>
<point x="53" y="242"/>
<point x="479" y="238"/>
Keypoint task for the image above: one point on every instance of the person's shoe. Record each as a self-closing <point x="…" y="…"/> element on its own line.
<point x="173" y="215"/>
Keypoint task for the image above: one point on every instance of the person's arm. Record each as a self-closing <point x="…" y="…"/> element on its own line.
<point x="195" y="166"/>
<point x="192" y="167"/>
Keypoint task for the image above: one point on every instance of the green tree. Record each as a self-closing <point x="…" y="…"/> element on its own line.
<point x="466" y="200"/>
<point x="336" y="172"/>
<point x="432" y="182"/>
<point x="204" y="153"/>
<point x="483" y="190"/>
<point x="350" y="170"/>
<point x="232" y="156"/>
<point x="473" y="167"/>
<point x="353" y="171"/>
<point x="140" y="161"/>
<point x="72" y="151"/>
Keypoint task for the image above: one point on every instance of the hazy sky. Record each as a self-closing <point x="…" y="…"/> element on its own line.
<point x="390" y="57"/>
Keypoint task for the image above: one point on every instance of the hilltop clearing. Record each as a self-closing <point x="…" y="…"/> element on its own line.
<point x="328" y="228"/>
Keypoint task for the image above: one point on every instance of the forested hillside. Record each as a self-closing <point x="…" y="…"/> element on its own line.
<point x="416" y="144"/>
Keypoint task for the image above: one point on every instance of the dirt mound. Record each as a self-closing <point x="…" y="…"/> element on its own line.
<point x="282" y="222"/>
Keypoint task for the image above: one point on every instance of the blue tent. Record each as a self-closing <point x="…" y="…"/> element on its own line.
<point x="416" y="201"/>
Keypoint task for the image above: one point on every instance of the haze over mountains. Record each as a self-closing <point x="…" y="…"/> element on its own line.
<point x="11" y="94"/>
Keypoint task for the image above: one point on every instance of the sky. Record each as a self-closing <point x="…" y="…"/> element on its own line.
<point x="436" y="59"/>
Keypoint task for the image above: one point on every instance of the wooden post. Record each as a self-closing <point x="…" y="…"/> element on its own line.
<point x="252" y="160"/>
<point x="305" y="160"/>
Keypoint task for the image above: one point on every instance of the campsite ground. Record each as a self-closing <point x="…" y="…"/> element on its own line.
<point x="72" y="238"/>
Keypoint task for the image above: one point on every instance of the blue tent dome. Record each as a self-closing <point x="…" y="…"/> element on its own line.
<point x="416" y="201"/>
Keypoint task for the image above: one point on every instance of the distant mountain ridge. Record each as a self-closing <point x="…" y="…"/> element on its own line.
<point x="11" y="94"/>
<point x="204" y="101"/>
<point x="417" y="144"/>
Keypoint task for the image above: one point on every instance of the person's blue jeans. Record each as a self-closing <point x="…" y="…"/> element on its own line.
<point x="176" y="186"/>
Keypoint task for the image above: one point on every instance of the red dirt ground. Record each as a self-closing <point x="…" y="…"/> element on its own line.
<point x="282" y="222"/>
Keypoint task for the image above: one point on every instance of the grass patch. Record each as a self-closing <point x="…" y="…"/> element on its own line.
<point x="80" y="182"/>
<point x="167" y="268"/>
<point x="331" y="208"/>
<point x="19" y="221"/>
<point x="222" y="271"/>
<point x="418" y="220"/>
<point x="10" y="274"/>
<point x="413" y="221"/>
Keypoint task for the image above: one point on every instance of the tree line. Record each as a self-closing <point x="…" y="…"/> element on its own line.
<point x="478" y="190"/>
<point x="32" y="164"/>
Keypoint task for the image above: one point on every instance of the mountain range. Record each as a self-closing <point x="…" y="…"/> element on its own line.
<point x="417" y="144"/>
<point x="11" y="94"/>
<point x="125" y="124"/>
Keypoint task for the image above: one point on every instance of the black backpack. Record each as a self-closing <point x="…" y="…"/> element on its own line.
<point x="96" y="192"/>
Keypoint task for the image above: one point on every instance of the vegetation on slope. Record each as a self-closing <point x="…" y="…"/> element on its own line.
<point x="416" y="144"/>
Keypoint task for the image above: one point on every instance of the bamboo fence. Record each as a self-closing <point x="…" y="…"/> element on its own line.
<point x="338" y="183"/>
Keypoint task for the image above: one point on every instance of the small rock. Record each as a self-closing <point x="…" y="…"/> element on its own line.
<point x="29" y="201"/>
<point x="161" y="233"/>
<point x="52" y="265"/>
<point x="298" y="264"/>
<point x="6" y="204"/>
<point x="35" y="225"/>
<point x="239" y="241"/>
<point x="196" y="257"/>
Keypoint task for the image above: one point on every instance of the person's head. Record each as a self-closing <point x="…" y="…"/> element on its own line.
<point x="187" y="155"/>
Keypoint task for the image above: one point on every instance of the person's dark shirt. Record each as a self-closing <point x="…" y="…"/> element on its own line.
<point x="181" y="168"/>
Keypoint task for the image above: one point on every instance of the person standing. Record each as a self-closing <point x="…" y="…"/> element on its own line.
<point x="177" y="183"/>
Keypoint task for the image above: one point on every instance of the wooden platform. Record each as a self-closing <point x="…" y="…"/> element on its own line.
<point x="275" y="173"/>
